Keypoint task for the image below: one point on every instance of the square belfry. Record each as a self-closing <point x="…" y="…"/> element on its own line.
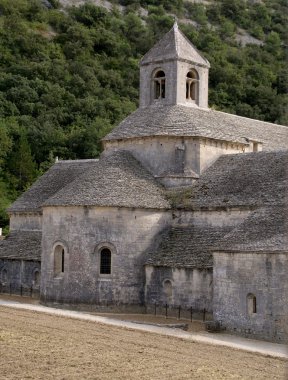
<point x="174" y="72"/>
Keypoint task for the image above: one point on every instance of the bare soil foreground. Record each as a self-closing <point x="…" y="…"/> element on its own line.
<point x="41" y="346"/>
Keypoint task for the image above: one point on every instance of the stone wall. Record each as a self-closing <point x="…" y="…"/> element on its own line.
<point x="83" y="231"/>
<point x="186" y="156"/>
<point x="187" y="287"/>
<point x="26" y="221"/>
<point x="211" y="149"/>
<point x="264" y="275"/>
<point x="20" y="276"/>
<point x="162" y="155"/>
<point x="221" y="218"/>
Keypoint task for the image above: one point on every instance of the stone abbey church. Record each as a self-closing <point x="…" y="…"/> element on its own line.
<point x="185" y="206"/>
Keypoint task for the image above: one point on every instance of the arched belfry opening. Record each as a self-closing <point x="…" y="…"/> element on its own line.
<point x="192" y="86"/>
<point x="159" y="85"/>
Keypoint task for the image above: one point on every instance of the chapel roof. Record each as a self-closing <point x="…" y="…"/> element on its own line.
<point x="187" y="246"/>
<point x="174" y="45"/>
<point x="24" y="245"/>
<point x="237" y="180"/>
<point x="178" y="120"/>
<point x="116" y="180"/>
<point x="264" y="230"/>
<point x="58" y="176"/>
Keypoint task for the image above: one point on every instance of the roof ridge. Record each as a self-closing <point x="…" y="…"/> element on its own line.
<point x="175" y="30"/>
<point x="77" y="161"/>
<point x="192" y="45"/>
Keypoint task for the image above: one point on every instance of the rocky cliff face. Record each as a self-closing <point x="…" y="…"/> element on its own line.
<point x="101" y="3"/>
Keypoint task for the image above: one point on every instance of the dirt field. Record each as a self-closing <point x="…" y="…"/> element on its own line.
<point x="40" y="346"/>
<point x="195" y="326"/>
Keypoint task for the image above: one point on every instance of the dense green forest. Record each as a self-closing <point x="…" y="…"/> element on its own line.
<point x="67" y="76"/>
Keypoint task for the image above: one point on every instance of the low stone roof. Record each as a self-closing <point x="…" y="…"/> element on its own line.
<point x="178" y="120"/>
<point x="58" y="176"/>
<point x="116" y="180"/>
<point x="24" y="245"/>
<point x="264" y="230"/>
<point x="186" y="246"/>
<point x="174" y="45"/>
<point x="248" y="179"/>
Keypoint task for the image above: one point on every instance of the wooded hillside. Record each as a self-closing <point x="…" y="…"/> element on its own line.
<point x="67" y="76"/>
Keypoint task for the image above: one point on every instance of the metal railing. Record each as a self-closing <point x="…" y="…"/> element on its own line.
<point x="179" y="312"/>
<point x="20" y="290"/>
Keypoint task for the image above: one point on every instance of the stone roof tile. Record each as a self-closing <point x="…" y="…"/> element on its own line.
<point x="117" y="180"/>
<point x="263" y="230"/>
<point x="58" y="176"/>
<point x="186" y="246"/>
<point x="178" y="120"/>
<point x="24" y="245"/>
<point x="248" y="179"/>
<point x="174" y="45"/>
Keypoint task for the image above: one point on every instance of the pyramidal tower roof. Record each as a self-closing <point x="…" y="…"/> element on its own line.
<point x="174" y="45"/>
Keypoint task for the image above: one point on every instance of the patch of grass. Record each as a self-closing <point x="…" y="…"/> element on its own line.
<point x="180" y="197"/>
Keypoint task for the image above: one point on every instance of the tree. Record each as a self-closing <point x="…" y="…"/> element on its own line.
<point x="5" y="200"/>
<point x="5" y="141"/>
<point x="21" y="164"/>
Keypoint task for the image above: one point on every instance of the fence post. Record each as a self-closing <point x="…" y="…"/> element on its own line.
<point x="10" y="288"/>
<point x="166" y="311"/>
<point x="31" y="291"/>
<point x="179" y="312"/>
<point x="204" y="314"/>
<point x="191" y="313"/>
<point x="21" y="290"/>
<point x="155" y="308"/>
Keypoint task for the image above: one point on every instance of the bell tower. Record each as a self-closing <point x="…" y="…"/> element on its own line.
<point x="174" y="72"/>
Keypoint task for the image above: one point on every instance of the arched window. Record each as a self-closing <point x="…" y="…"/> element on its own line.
<point x="168" y="290"/>
<point x="251" y="304"/>
<point x="36" y="278"/>
<point x="192" y="84"/>
<point x="59" y="259"/>
<point x="105" y="261"/>
<point x="4" y="275"/>
<point x="159" y="85"/>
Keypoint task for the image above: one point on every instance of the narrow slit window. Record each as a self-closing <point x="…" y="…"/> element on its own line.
<point x="59" y="260"/>
<point x="105" y="261"/>
<point x="254" y="305"/>
<point x="62" y="260"/>
<point x="251" y="304"/>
